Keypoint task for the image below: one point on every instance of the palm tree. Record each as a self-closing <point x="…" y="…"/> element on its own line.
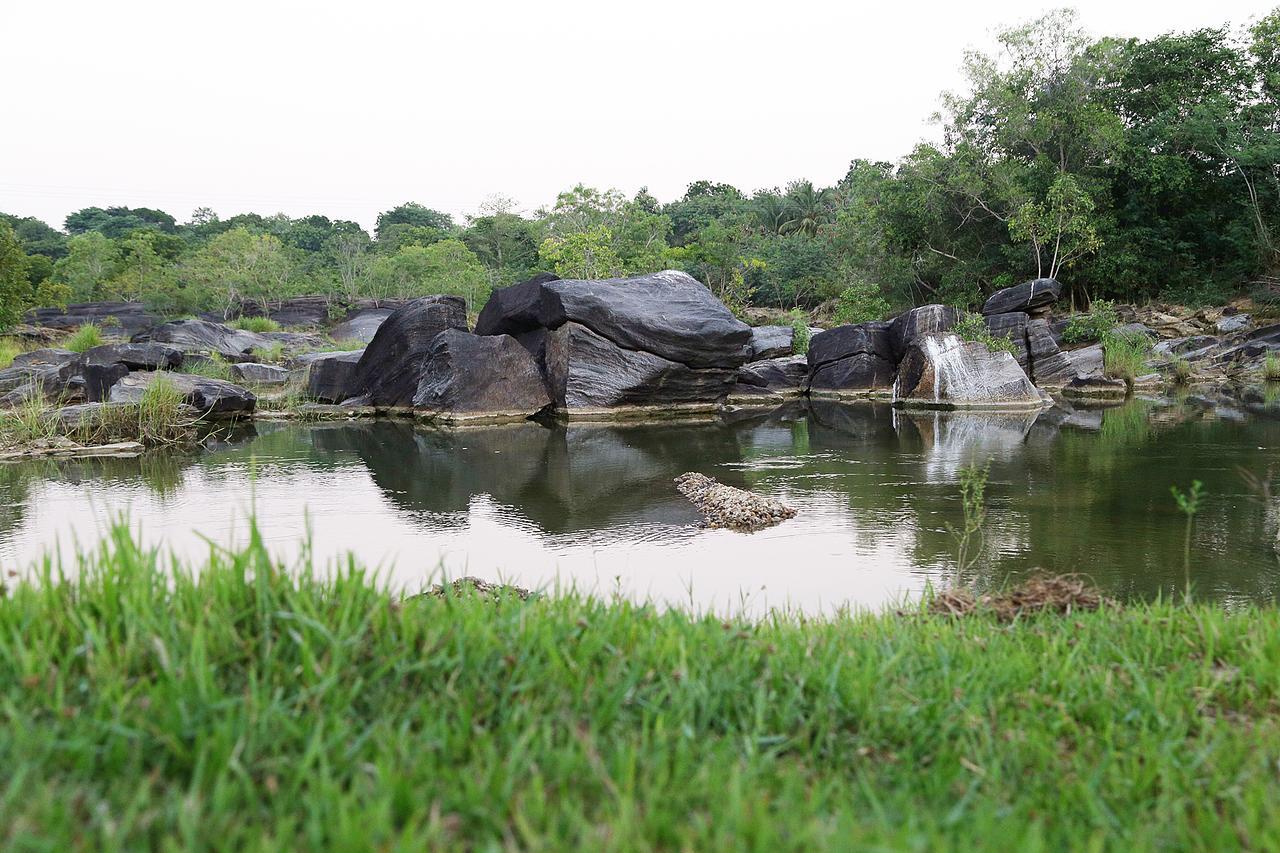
<point x="771" y="209"/>
<point x="807" y="209"/>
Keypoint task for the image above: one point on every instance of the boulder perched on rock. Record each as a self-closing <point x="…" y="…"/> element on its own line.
<point x="856" y="359"/>
<point x="126" y="318"/>
<point x="655" y="340"/>
<point x="492" y="375"/>
<point x="331" y="376"/>
<point x="211" y="397"/>
<point x="943" y="371"/>
<point x="668" y="314"/>
<point x="259" y="374"/>
<point x="103" y="366"/>
<point x="360" y="325"/>
<point x="909" y="327"/>
<point x="1026" y="297"/>
<point x="771" y="342"/>
<point x="585" y="370"/>
<point x="390" y="366"/>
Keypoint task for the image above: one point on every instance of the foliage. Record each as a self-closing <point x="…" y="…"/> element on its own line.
<point x="258" y="324"/>
<point x="1188" y="504"/>
<point x="92" y="259"/>
<point x="1271" y="367"/>
<point x="212" y="367"/>
<point x="582" y="254"/>
<point x="859" y="303"/>
<point x="1182" y="371"/>
<point x="247" y="703"/>
<point x="973" y="503"/>
<point x="9" y="350"/>
<point x="799" y="332"/>
<point x="1125" y="354"/>
<point x="241" y="266"/>
<point x="444" y="267"/>
<point x="272" y="353"/>
<point x="15" y="288"/>
<point x="84" y="338"/>
<point x="1093" y="324"/>
<point x="973" y="327"/>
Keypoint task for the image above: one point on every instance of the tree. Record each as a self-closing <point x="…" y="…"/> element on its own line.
<point x="143" y="274"/>
<point x="807" y="209"/>
<point x="117" y="222"/>
<point x="15" y="289"/>
<point x="349" y="247"/>
<point x="91" y="261"/>
<point x="582" y="254"/>
<point x="445" y="267"/>
<point x="412" y="213"/>
<point x="1060" y="229"/>
<point x="240" y="266"/>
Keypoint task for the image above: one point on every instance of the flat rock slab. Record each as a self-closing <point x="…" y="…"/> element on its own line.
<point x="771" y="342"/>
<point x="731" y="508"/>
<point x="213" y="398"/>
<point x="260" y="374"/>
<point x="71" y="450"/>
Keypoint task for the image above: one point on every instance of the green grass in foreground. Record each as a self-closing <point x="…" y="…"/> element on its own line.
<point x="239" y="705"/>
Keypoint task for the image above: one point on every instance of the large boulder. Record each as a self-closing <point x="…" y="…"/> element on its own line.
<point x="1050" y="366"/>
<point x="361" y="325"/>
<point x="104" y="366"/>
<point x="943" y="371"/>
<point x="1014" y="327"/>
<point x="388" y="371"/>
<point x="856" y="359"/>
<point x="331" y="376"/>
<point x="1026" y="297"/>
<point x="259" y="374"/>
<point x="909" y="327"/>
<point x="771" y="342"/>
<point x="52" y="374"/>
<point x="211" y="397"/>
<point x="128" y="318"/>
<point x="668" y="314"/>
<point x="491" y="375"/>
<point x="585" y="370"/>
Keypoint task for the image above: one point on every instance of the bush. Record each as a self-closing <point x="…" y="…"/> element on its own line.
<point x="272" y="354"/>
<point x="9" y="350"/>
<point x="799" y="333"/>
<point x="1271" y="367"/>
<point x="973" y="327"/>
<point x="255" y="324"/>
<point x="84" y="338"/>
<point x="1124" y="355"/>
<point x="1182" y="371"/>
<point x="860" y="303"/>
<point x="1093" y="324"/>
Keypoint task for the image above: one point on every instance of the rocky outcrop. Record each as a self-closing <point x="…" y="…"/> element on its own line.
<point x="331" y="376"/>
<point x="360" y="325"/>
<point x="52" y="374"/>
<point x="389" y="368"/>
<point x="786" y="375"/>
<point x="224" y="341"/>
<point x="104" y="366"/>
<point x="473" y="375"/>
<point x="771" y="342"/>
<point x="1012" y="326"/>
<point x="657" y="340"/>
<point x="1028" y="297"/>
<point x="911" y="326"/>
<point x="943" y="371"/>
<point x="729" y="507"/>
<point x="124" y="318"/>
<point x="259" y="374"/>
<point x="854" y="360"/>
<point x="212" y="398"/>
<point x="1050" y="366"/>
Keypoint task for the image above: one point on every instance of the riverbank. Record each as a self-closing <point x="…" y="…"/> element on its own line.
<point x="249" y="704"/>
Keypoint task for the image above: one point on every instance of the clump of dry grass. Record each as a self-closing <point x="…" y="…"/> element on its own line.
<point x="1064" y="594"/>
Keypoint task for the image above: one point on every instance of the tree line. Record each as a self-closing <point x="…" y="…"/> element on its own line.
<point x="1131" y="169"/>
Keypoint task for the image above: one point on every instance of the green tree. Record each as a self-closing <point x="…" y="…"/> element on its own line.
<point x="412" y="213"/>
<point x="240" y="266"/>
<point x="1060" y="229"/>
<point x="582" y="254"/>
<point x="15" y="289"/>
<point x="445" y="267"/>
<point x="143" y="274"/>
<point x="92" y="260"/>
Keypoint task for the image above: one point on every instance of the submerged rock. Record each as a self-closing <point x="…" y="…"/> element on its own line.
<point x="729" y="507"/>
<point x="941" y="370"/>
<point x="211" y="397"/>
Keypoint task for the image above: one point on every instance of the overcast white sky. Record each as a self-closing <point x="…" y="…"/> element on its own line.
<point x="349" y="108"/>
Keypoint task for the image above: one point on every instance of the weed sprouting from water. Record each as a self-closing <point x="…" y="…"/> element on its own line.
<point x="1189" y="504"/>
<point x="973" y="500"/>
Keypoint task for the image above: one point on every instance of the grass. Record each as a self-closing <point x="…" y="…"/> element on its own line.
<point x="973" y="327"/>
<point x="1092" y="325"/>
<point x="213" y="367"/>
<point x="1125" y="355"/>
<point x="159" y="418"/>
<point x="348" y="345"/>
<point x="1271" y="367"/>
<point x="273" y="354"/>
<point x="243" y="704"/>
<point x="84" y="338"/>
<point x="1182" y="371"/>
<point x="255" y="324"/>
<point x="9" y="350"/>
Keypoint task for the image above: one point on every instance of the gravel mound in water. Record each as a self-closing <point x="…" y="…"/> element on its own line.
<point x="730" y="508"/>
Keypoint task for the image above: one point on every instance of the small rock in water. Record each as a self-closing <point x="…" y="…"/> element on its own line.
<point x="734" y="509"/>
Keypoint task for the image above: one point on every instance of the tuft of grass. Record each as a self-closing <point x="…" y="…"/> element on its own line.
<point x="27" y="423"/>
<point x="1271" y="367"/>
<point x="973" y="327"/>
<point x="213" y="367"/>
<point x="84" y="338"/>
<point x="272" y="354"/>
<point x="9" y="350"/>
<point x="348" y="345"/>
<point x="255" y="324"/>
<point x="245" y="703"/>
<point x="1182" y="371"/>
<point x="1125" y="355"/>
<point x="799" y="332"/>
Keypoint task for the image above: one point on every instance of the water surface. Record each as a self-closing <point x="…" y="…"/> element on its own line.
<point x="595" y="506"/>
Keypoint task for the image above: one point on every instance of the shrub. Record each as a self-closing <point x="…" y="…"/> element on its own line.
<point x="1182" y="371"/>
<point x="799" y="333"/>
<point x="255" y="324"/>
<point x="84" y="338"/>
<point x="1271" y="367"/>
<point x="859" y="303"/>
<point x="1093" y="324"/>
<point x="1124" y="354"/>
<point x="9" y="350"/>
<point x="973" y="327"/>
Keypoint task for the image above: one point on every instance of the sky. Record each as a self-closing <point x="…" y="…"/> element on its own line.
<point x="347" y="109"/>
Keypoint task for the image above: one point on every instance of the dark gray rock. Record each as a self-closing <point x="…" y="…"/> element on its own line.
<point x="909" y="327"/>
<point x="331" y="376"/>
<point x="124" y="318"/>
<point x="1027" y="297"/>
<point x="141" y="356"/>
<point x="388" y="371"/>
<point x="45" y="358"/>
<point x="99" y="377"/>
<point x="51" y="374"/>
<point x="1137" y="329"/>
<point x="1050" y="366"/>
<point x="475" y="375"/>
<point x="211" y="397"/>
<point x="787" y="373"/>
<point x="941" y="370"/>
<point x="1014" y="327"/>
<point x="668" y="314"/>
<point x="360" y="325"/>
<point x="853" y="358"/>
<point x="231" y="344"/>
<point x="585" y="370"/>
<point x="259" y="374"/>
<point x="771" y="342"/>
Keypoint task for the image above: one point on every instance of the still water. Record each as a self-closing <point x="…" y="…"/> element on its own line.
<point x="595" y="506"/>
